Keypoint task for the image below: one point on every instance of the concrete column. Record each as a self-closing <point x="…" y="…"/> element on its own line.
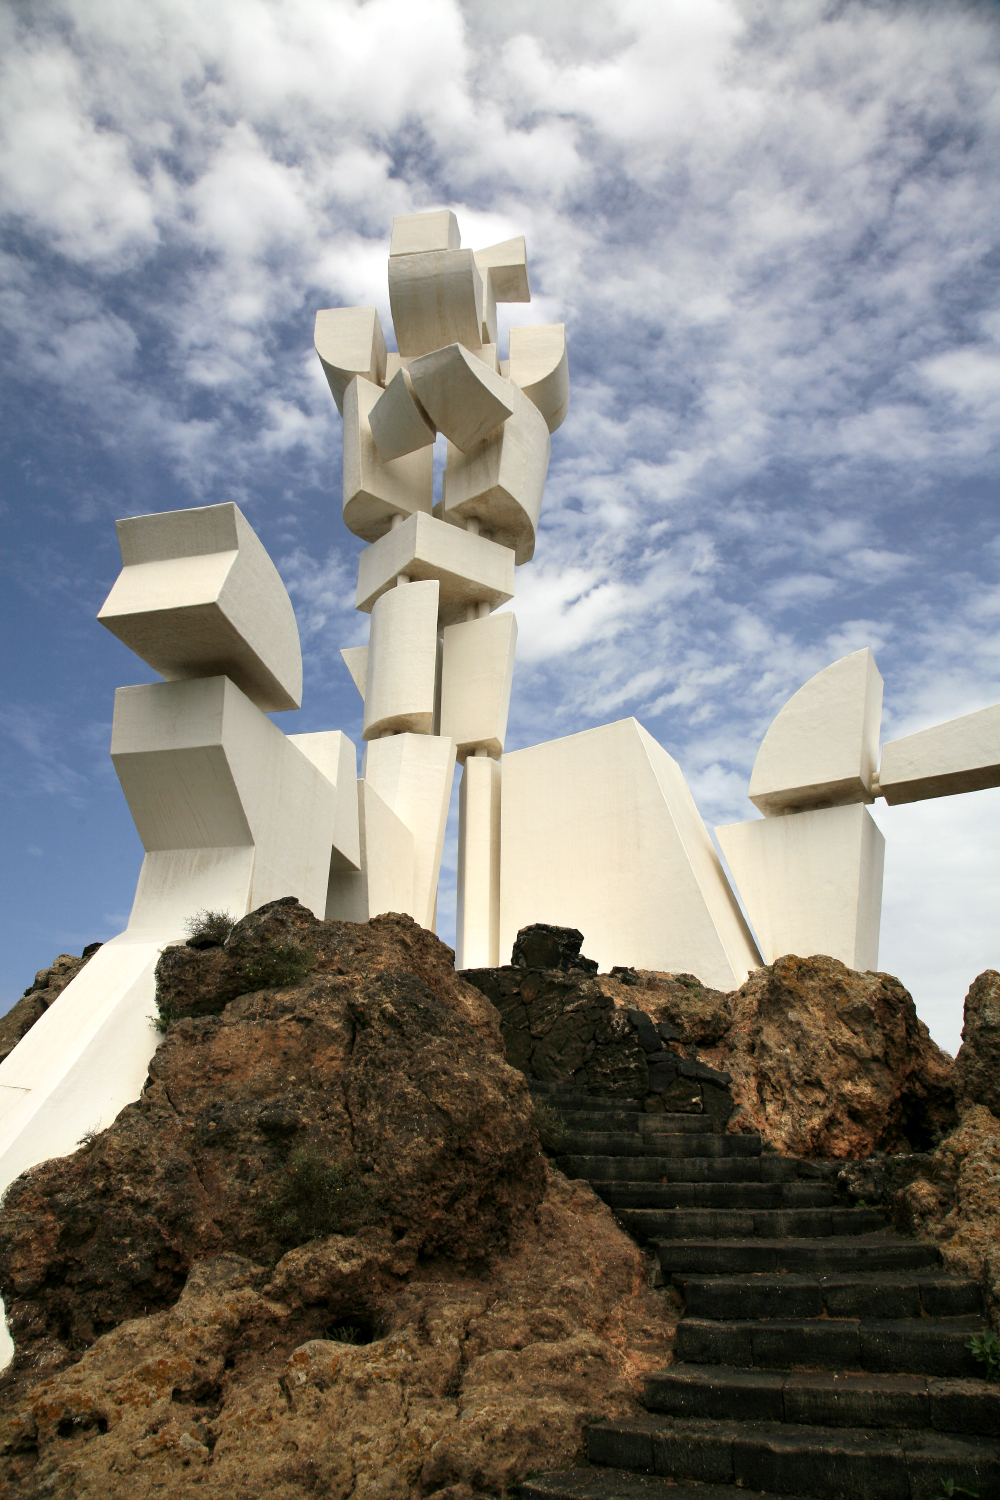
<point x="477" y="935"/>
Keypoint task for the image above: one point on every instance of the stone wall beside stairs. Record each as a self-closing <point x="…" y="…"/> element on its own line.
<point x="565" y="1024"/>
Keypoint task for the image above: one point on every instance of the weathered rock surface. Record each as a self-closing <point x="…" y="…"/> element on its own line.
<point x="542" y="946"/>
<point x="48" y="984"/>
<point x="977" y="1066"/>
<point x="173" y="1332"/>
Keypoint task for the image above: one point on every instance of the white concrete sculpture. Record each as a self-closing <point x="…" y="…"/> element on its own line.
<point x="436" y="673"/>
<point x="599" y="831"/>
<point x="810" y="871"/>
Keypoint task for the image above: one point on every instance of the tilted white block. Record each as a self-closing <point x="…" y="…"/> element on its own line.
<point x="415" y="234"/>
<point x="811" y="882"/>
<point x="477" y="917"/>
<point x="539" y="364"/>
<point x="356" y="662"/>
<point x="599" y="831"/>
<point x="385" y="879"/>
<point x="500" y="482"/>
<point x="468" y="568"/>
<point x="332" y="753"/>
<point x="198" y="596"/>
<point x="477" y="668"/>
<point x="375" y="492"/>
<point x="400" y="687"/>
<point x="398" y="422"/>
<point x="822" y="749"/>
<point x="349" y="342"/>
<point x="205" y="773"/>
<point x="461" y="395"/>
<point x="507" y="266"/>
<point x="436" y="299"/>
<point x="960" y="756"/>
<point x="412" y="773"/>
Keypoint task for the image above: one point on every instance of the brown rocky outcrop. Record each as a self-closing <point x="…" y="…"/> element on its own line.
<point x="180" y="1319"/>
<point x="46" y="986"/>
<point x="977" y="1066"/>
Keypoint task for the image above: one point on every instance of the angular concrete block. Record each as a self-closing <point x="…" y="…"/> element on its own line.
<point x="467" y="568"/>
<point x="436" y="299"/>
<point x="539" y="364"/>
<point x="822" y="749"/>
<point x="500" y="481"/>
<point x="960" y="756"/>
<point x="331" y="752"/>
<point x="349" y="342"/>
<point x="399" y="423"/>
<point x="506" y="264"/>
<point x="477" y="919"/>
<point x="400" y="688"/>
<point x="477" y="668"/>
<point x="811" y="882"/>
<point x="599" y="831"/>
<point x="385" y="880"/>
<point x="412" y="773"/>
<point x="205" y="773"/>
<point x="375" y="492"/>
<point x="461" y="395"/>
<point x="356" y="662"/>
<point x="415" y="234"/>
<point x="198" y="596"/>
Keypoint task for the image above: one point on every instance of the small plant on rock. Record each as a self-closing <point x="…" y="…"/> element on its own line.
<point x="209" y="929"/>
<point x="274" y="967"/>
<point x="985" y="1347"/>
<point x="315" y="1196"/>
<point x="949" y="1489"/>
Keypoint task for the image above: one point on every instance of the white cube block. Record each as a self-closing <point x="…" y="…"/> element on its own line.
<point x="822" y="749"/>
<point x="463" y="397"/>
<point x="349" y="342"/>
<point x="375" y="492"/>
<point x="477" y="668"/>
<point x="960" y="756"/>
<point x="500" y="482"/>
<point x="198" y="596"/>
<point x="468" y="568"/>
<point x="599" y="831"/>
<point x="436" y="299"/>
<point x="507" y="266"/>
<point x="811" y="882"/>
<point x="540" y="366"/>
<point x="402" y="661"/>
<point x="399" y="424"/>
<point x="415" y="234"/>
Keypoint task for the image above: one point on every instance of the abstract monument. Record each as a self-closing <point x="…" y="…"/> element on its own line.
<point x="597" y="830"/>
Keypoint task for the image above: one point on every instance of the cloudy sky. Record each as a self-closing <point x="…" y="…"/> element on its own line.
<point x="773" y="232"/>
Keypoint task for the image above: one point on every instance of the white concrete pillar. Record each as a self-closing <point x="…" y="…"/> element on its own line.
<point x="477" y="926"/>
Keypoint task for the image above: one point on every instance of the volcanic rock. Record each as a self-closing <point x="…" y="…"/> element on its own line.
<point x="542" y="946"/>
<point x="977" y="1066"/>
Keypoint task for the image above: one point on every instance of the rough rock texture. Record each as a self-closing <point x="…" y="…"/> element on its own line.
<point x="977" y="1066"/>
<point x="823" y="1061"/>
<point x="607" y="1035"/>
<point x="463" y="1333"/>
<point x="379" y="1059"/>
<point x="542" y="946"/>
<point x="830" y="1062"/>
<point x="48" y="984"/>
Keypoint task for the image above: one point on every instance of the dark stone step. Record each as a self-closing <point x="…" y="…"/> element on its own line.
<point x="826" y="1462"/>
<point x="621" y="1484"/>
<point x="768" y="1223"/>
<point x="666" y="1143"/>
<point x="597" y="1169"/>
<point x="886" y="1295"/>
<point x="879" y="1252"/>
<point x="589" y="1121"/>
<point x="910" y="1346"/>
<point x="750" y="1195"/>
<point x="822" y="1399"/>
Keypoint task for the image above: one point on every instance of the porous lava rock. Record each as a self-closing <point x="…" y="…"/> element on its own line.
<point x="47" y="985"/>
<point x="377" y="1058"/>
<point x="542" y="946"/>
<point x="828" y="1061"/>
<point x="977" y="1066"/>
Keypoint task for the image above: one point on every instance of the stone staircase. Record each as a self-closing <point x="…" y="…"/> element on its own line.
<point x="819" y="1354"/>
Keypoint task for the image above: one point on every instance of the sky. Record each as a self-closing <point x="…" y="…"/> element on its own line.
<point x="773" y="234"/>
